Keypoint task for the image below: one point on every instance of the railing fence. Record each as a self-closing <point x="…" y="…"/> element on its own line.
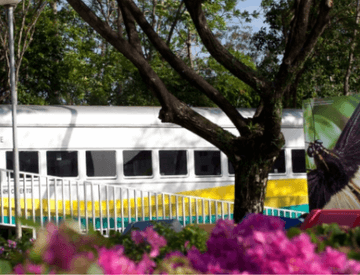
<point x="106" y="207"/>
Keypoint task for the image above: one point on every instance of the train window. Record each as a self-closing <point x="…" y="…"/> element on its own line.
<point x="100" y="164"/>
<point x="207" y="163"/>
<point x="298" y="161"/>
<point x="62" y="163"/>
<point x="137" y="163"/>
<point x="279" y="165"/>
<point x="231" y="168"/>
<point x="28" y="161"/>
<point x="173" y="162"/>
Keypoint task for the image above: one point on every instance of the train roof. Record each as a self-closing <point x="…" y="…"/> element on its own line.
<point x="117" y="116"/>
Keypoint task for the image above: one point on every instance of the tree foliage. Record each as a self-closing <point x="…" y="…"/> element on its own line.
<point x="323" y="74"/>
<point x="26" y="15"/>
<point x="69" y="63"/>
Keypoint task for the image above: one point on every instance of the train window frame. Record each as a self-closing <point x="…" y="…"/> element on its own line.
<point x="292" y="166"/>
<point x="102" y="177"/>
<point x="138" y="176"/>
<point x="205" y="176"/>
<point x="174" y="176"/>
<point x="68" y="151"/>
<point x="24" y="151"/>
<point x="285" y="164"/>
<point x="228" y="168"/>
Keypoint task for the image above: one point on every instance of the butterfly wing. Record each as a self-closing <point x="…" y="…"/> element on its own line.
<point x="325" y="192"/>
<point x="318" y="195"/>
<point x="348" y="144"/>
<point x="338" y="185"/>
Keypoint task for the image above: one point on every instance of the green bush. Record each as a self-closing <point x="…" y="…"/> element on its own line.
<point x="12" y="250"/>
<point x="341" y="238"/>
<point x="175" y="241"/>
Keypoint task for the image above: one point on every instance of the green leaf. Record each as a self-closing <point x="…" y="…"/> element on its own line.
<point x="94" y="269"/>
<point x="5" y="267"/>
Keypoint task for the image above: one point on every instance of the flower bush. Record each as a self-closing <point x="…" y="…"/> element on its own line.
<point x="11" y="250"/>
<point x="258" y="244"/>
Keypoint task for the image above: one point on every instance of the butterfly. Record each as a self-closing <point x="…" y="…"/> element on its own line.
<point x="335" y="183"/>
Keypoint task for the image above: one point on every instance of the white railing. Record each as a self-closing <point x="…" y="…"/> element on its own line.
<point x="106" y="207"/>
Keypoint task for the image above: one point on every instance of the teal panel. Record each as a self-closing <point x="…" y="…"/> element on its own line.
<point x="301" y="208"/>
<point x="200" y="220"/>
<point x="282" y="213"/>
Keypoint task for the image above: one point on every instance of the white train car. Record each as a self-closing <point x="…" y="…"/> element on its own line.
<point x="130" y="147"/>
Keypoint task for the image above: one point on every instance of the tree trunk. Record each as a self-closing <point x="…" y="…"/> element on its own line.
<point x="188" y="47"/>
<point x="250" y="185"/>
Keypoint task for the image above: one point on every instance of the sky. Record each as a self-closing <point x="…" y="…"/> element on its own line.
<point x="250" y="6"/>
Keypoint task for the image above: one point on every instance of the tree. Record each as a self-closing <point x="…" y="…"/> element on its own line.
<point x="69" y="63"/>
<point x="254" y="151"/>
<point x="27" y="13"/>
<point x="332" y="69"/>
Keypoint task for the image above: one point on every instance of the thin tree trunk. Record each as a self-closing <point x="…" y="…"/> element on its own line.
<point x="351" y="53"/>
<point x="188" y="44"/>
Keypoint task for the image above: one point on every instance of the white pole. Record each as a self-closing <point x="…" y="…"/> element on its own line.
<point x="14" y="123"/>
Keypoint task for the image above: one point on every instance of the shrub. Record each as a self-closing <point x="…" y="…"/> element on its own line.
<point x="176" y="241"/>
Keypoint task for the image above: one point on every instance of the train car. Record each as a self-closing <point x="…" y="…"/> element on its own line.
<point x="130" y="147"/>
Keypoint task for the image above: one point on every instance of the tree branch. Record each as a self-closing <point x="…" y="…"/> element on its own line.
<point x="220" y="53"/>
<point x="131" y="28"/>
<point x="119" y="21"/>
<point x="176" y="19"/>
<point x="295" y="57"/>
<point x="298" y="30"/>
<point x="186" y="72"/>
<point x="172" y="110"/>
<point x="319" y="27"/>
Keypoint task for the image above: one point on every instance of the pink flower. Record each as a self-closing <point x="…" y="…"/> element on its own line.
<point x="224" y="228"/>
<point x="114" y="262"/>
<point x="36" y="269"/>
<point x="59" y="251"/>
<point x="214" y="269"/>
<point x="11" y="244"/>
<point x="29" y="268"/>
<point x="259" y="245"/>
<point x="146" y="265"/>
<point x="338" y="263"/>
<point x="152" y="237"/>
<point x="19" y="269"/>
<point x="137" y="237"/>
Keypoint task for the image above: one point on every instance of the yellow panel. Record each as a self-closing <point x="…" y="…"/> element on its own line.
<point x="279" y="193"/>
<point x="225" y="193"/>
